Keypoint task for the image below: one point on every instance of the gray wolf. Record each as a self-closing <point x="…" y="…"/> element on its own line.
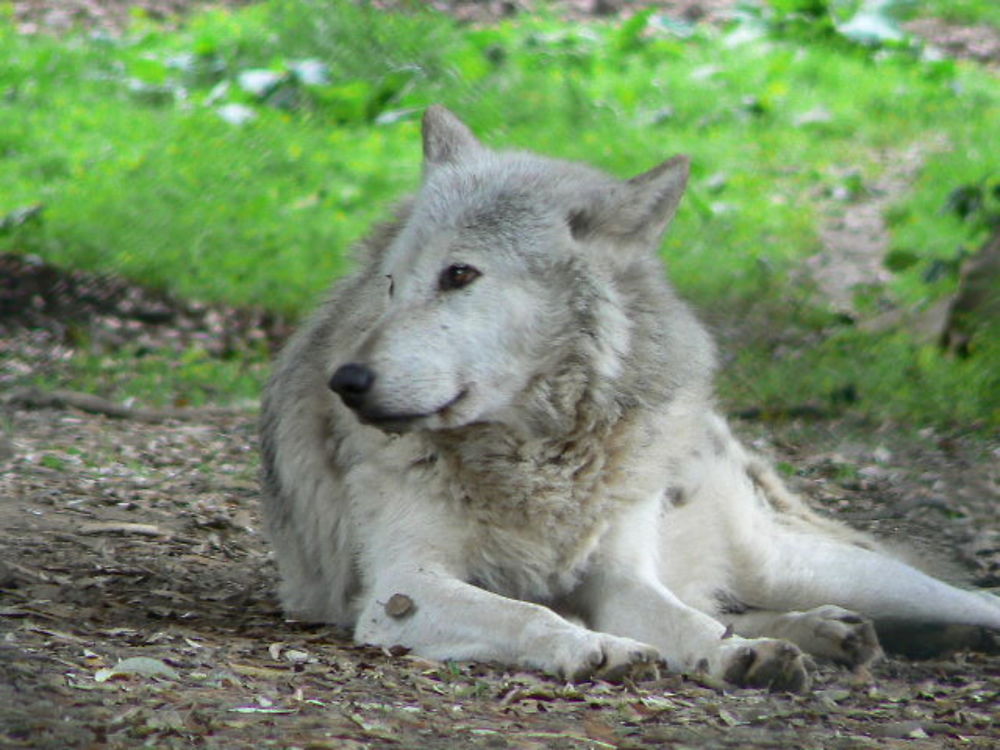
<point x="497" y="441"/>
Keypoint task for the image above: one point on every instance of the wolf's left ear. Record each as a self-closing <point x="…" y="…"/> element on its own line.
<point x="447" y="140"/>
<point x="653" y="197"/>
<point x="637" y="210"/>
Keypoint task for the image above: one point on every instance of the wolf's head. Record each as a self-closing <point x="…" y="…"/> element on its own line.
<point x="515" y="285"/>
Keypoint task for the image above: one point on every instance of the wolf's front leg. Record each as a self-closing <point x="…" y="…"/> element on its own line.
<point x="622" y="594"/>
<point x="441" y="617"/>
<point x="629" y="605"/>
<point x="413" y="554"/>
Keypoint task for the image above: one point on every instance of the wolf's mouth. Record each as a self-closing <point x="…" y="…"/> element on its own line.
<point x="400" y="422"/>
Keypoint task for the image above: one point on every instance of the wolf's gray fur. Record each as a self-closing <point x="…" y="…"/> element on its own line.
<point x="522" y="439"/>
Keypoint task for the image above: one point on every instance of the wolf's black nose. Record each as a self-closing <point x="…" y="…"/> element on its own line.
<point x="351" y="382"/>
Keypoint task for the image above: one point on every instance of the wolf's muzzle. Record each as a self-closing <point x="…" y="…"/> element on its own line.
<point x="352" y="382"/>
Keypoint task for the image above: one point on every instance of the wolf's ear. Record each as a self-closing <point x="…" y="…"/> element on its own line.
<point x="447" y="140"/>
<point x="653" y="197"/>
<point x="639" y="209"/>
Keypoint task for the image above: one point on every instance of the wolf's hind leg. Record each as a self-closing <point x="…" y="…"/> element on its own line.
<point x="800" y="571"/>
<point x="828" y="631"/>
<point x="788" y="558"/>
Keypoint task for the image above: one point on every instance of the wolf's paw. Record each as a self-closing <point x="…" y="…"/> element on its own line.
<point x="763" y="662"/>
<point x="606" y="657"/>
<point x="838" y="634"/>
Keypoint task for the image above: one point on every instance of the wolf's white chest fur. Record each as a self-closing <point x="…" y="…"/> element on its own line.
<point x="535" y="512"/>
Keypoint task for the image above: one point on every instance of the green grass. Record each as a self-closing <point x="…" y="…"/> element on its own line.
<point x="886" y="376"/>
<point x="190" y="378"/>
<point x="123" y="144"/>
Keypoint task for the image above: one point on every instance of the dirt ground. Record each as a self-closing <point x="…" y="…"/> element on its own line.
<point x="137" y="603"/>
<point x="122" y="539"/>
<point x="980" y="43"/>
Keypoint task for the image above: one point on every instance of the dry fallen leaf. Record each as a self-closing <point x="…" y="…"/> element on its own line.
<point x="142" y="529"/>
<point x="137" y="666"/>
<point x="264" y="673"/>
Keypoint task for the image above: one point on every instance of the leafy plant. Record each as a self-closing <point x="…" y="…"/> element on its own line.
<point x="977" y="204"/>
<point x="869" y="23"/>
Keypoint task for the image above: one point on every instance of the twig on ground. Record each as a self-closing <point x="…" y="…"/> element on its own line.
<point x="36" y="398"/>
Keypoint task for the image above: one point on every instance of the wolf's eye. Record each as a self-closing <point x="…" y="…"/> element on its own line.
<point x="456" y="276"/>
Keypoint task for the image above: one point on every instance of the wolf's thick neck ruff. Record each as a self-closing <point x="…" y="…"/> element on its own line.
<point x="562" y="486"/>
<point x="556" y="443"/>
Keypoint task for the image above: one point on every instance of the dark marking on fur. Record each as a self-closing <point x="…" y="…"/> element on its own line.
<point x="425" y="461"/>
<point x="769" y="491"/>
<point x="269" y="477"/>
<point x="584" y="468"/>
<point x="676" y="496"/>
<point x="772" y="494"/>
<point x="729" y="604"/>
<point x="718" y="442"/>
<point x="568" y="449"/>
<point x="580" y="224"/>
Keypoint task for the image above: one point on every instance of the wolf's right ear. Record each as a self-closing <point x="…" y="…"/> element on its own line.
<point x="447" y="140"/>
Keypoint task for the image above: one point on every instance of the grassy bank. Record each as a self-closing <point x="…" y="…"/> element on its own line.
<point x="237" y="158"/>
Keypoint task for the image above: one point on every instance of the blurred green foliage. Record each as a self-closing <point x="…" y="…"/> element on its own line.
<point x="238" y="157"/>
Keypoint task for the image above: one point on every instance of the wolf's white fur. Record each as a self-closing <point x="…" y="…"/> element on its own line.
<point x="534" y="446"/>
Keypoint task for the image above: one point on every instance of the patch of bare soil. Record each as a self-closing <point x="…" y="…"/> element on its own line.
<point x="47" y="314"/>
<point x="855" y="238"/>
<point x="114" y="16"/>
<point x="106" y="16"/>
<point x="980" y="43"/>
<point x="976" y="42"/>
<point x="121" y="540"/>
<point x="137" y="600"/>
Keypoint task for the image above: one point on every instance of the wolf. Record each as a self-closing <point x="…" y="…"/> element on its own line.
<point x="497" y="441"/>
